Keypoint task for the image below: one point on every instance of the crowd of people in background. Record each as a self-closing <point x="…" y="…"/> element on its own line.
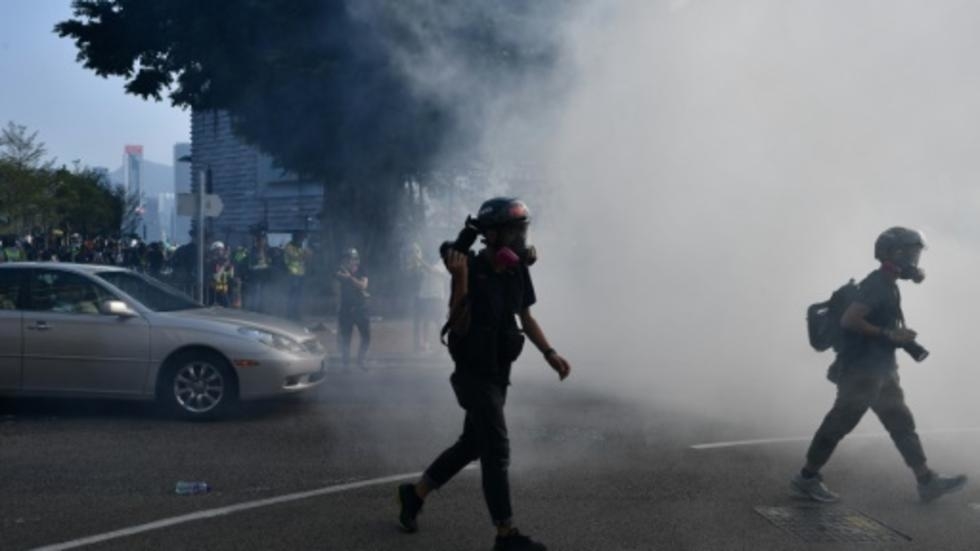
<point x="256" y="277"/>
<point x="234" y="277"/>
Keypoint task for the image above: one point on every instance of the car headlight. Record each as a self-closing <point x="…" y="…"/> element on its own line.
<point x="275" y="340"/>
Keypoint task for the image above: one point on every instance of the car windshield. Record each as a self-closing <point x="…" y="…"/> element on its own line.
<point x="151" y="293"/>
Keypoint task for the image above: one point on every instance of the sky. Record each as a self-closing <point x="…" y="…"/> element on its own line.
<point x="77" y="114"/>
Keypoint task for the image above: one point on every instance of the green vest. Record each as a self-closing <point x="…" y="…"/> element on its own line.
<point x="13" y="254"/>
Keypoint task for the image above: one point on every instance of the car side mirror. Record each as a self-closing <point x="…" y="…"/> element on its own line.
<point x="118" y="308"/>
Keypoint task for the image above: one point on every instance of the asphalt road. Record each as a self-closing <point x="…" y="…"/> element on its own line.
<point x="589" y="473"/>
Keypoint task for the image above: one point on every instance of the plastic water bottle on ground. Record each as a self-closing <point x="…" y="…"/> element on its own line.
<point x="191" y="488"/>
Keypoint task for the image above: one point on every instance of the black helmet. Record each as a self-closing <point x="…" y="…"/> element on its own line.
<point x="897" y="238"/>
<point x="502" y="211"/>
<point x="901" y="246"/>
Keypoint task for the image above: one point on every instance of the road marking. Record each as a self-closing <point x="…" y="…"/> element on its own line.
<point x="761" y="441"/>
<point x="222" y="511"/>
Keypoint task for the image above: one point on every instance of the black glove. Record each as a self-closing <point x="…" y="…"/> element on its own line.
<point x="467" y="236"/>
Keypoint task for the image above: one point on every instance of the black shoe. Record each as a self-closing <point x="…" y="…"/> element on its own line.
<point x="411" y="506"/>
<point x="515" y="541"/>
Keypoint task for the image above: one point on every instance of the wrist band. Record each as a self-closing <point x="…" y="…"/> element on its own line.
<point x="549" y="352"/>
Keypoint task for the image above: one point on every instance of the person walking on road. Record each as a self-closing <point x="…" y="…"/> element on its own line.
<point x="873" y="328"/>
<point x="490" y="290"/>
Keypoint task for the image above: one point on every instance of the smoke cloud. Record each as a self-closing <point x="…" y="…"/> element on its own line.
<point x="708" y="169"/>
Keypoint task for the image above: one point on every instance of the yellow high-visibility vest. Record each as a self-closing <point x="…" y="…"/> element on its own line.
<point x="295" y="259"/>
<point x="13" y="254"/>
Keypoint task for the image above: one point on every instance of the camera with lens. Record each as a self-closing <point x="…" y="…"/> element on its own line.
<point x="916" y="350"/>
<point x="467" y="236"/>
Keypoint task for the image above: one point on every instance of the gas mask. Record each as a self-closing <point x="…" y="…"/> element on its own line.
<point x="510" y="243"/>
<point x="512" y="247"/>
<point x="907" y="262"/>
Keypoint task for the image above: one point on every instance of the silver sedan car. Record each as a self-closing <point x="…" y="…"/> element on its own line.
<point x="100" y="331"/>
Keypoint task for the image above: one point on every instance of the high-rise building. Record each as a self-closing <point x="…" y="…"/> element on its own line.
<point x="132" y="165"/>
<point x="180" y="233"/>
<point x="253" y="190"/>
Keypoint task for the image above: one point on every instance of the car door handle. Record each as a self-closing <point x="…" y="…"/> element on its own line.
<point x="40" y="326"/>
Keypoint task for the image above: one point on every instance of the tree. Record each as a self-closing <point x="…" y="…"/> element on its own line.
<point x="21" y="149"/>
<point x="34" y="194"/>
<point x="359" y="94"/>
<point x="25" y="183"/>
<point x="86" y="203"/>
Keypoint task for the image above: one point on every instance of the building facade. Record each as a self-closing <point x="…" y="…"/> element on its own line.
<point x="254" y="192"/>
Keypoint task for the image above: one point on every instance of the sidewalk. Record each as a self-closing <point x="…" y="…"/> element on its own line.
<point x="391" y="341"/>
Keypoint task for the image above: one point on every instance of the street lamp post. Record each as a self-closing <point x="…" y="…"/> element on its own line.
<point x="200" y="234"/>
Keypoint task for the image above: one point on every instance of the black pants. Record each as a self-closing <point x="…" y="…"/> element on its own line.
<point x="856" y="392"/>
<point x="294" y="300"/>
<point x="255" y="289"/>
<point x="485" y="438"/>
<point x="347" y="319"/>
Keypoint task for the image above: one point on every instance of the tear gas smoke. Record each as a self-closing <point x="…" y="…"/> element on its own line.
<point x="711" y="168"/>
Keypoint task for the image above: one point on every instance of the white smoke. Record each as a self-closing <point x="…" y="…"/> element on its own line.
<point x="717" y="166"/>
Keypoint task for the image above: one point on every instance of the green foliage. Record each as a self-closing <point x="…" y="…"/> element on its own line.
<point x="85" y="203"/>
<point x="360" y="94"/>
<point x="34" y="194"/>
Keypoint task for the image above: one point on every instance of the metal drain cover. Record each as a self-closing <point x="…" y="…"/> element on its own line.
<point x="816" y="524"/>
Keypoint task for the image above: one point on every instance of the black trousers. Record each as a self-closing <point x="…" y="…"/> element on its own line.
<point x="294" y="300"/>
<point x="485" y="438"/>
<point x="255" y="289"/>
<point x="347" y="319"/>
<point x="857" y="391"/>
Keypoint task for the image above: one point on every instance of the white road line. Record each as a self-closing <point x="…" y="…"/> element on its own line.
<point x="222" y="511"/>
<point x="761" y="441"/>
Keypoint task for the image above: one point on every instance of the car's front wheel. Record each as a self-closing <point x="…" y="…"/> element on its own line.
<point x="198" y="385"/>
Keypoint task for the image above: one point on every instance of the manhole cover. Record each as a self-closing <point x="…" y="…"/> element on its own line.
<point x="830" y="525"/>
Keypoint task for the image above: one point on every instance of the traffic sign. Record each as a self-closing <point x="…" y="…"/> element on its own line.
<point x="213" y="205"/>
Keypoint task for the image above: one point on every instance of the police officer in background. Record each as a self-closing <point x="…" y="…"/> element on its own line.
<point x="490" y="290"/>
<point x="295" y="256"/>
<point x="353" y="311"/>
<point x="222" y="274"/>
<point x="11" y="251"/>
<point x="874" y="327"/>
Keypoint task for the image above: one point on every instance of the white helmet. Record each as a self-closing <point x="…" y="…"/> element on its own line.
<point x="217" y="246"/>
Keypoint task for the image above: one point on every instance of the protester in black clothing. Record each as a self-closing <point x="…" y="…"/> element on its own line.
<point x="874" y="327"/>
<point x="490" y="290"/>
<point x="183" y="265"/>
<point x="353" y="310"/>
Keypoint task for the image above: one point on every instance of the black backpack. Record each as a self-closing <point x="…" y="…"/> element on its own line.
<point x="823" y="318"/>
